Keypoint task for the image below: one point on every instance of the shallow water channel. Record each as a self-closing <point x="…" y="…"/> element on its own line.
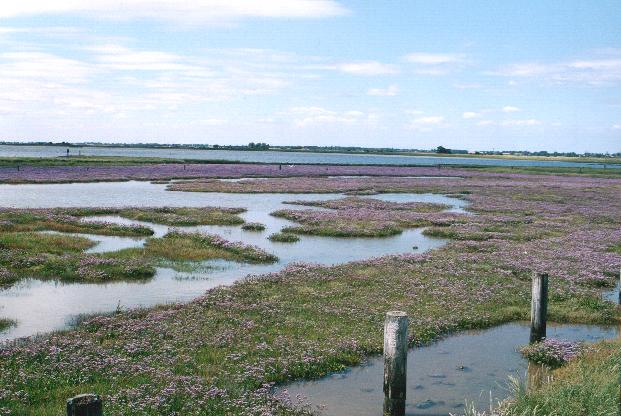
<point x="474" y="364"/>
<point x="42" y="306"/>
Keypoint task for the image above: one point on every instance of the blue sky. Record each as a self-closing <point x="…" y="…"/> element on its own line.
<point x="486" y="75"/>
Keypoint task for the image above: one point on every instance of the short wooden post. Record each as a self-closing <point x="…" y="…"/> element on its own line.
<point x="539" y="307"/>
<point x="85" y="405"/>
<point x="395" y="362"/>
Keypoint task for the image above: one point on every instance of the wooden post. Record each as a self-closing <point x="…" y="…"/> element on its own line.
<point x="395" y="362"/>
<point x="539" y="307"/>
<point x="85" y="405"/>
<point x="619" y="286"/>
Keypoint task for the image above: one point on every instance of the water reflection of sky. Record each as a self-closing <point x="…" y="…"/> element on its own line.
<point x="41" y="306"/>
<point x="472" y="364"/>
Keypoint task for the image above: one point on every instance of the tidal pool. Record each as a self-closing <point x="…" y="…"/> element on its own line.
<point x="472" y="365"/>
<point x="43" y="306"/>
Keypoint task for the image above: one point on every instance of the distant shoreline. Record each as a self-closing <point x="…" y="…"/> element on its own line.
<point x="613" y="159"/>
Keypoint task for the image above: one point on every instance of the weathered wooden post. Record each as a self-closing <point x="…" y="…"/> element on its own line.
<point x="539" y="307"/>
<point x="620" y="286"/>
<point x="85" y="405"/>
<point x="395" y="362"/>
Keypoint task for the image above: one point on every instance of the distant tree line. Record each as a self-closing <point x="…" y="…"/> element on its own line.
<point x="322" y="149"/>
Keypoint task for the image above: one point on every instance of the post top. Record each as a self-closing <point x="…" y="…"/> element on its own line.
<point x="84" y="398"/>
<point x="396" y="313"/>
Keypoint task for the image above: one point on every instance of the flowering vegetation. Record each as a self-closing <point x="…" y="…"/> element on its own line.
<point x="222" y="353"/>
<point x="552" y="352"/>
<point x="31" y="173"/>
<point x="196" y="246"/>
<point x="26" y="251"/>
<point x="362" y="217"/>
<point x="351" y="203"/>
<point x="65" y="220"/>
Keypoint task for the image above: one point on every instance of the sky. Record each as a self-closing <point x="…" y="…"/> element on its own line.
<point x="464" y="74"/>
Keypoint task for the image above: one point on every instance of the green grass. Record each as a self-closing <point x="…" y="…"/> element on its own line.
<point x="61" y="257"/>
<point x="67" y="220"/>
<point x="195" y="247"/>
<point x="26" y="251"/>
<point x="6" y="324"/>
<point x="284" y="237"/>
<point x="185" y="216"/>
<point x="253" y="226"/>
<point x="588" y="385"/>
<point x="44" y="242"/>
<point x="613" y="172"/>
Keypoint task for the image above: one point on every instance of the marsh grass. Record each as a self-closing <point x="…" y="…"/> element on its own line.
<point x="588" y="385"/>
<point x="44" y="242"/>
<point x="253" y="226"/>
<point x="67" y="220"/>
<point x="6" y="324"/>
<point x="196" y="247"/>
<point x="185" y="216"/>
<point x="284" y="237"/>
<point x="28" y="250"/>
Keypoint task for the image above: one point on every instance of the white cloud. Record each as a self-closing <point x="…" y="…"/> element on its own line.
<point x="116" y="80"/>
<point x="471" y="114"/>
<point x="414" y="112"/>
<point x="367" y="68"/>
<point x="598" y="71"/>
<point x="527" y="122"/>
<point x="467" y="86"/>
<point x="390" y="91"/>
<point x="485" y="123"/>
<point x="212" y="122"/>
<point x="118" y="57"/>
<point x="196" y="11"/>
<point x="617" y="126"/>
<point x="434" y="63"/>
<point x="307" y="116"/>
<point x="426" y="123"/>
<point x="424" y="58"/>
<point x="510" y="109"/>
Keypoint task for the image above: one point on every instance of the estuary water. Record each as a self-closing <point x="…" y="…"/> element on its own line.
<point x="473" y="365"/>
<point x="42" y="306"/>
<point x="281" y="157"/>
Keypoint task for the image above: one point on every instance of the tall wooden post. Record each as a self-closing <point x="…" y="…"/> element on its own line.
<point x="539" y="307"/>
<point x="395" y="362"/>
<point x="85" y="405"/>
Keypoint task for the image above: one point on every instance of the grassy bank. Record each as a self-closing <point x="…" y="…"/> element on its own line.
<point x="588" y="385"/>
